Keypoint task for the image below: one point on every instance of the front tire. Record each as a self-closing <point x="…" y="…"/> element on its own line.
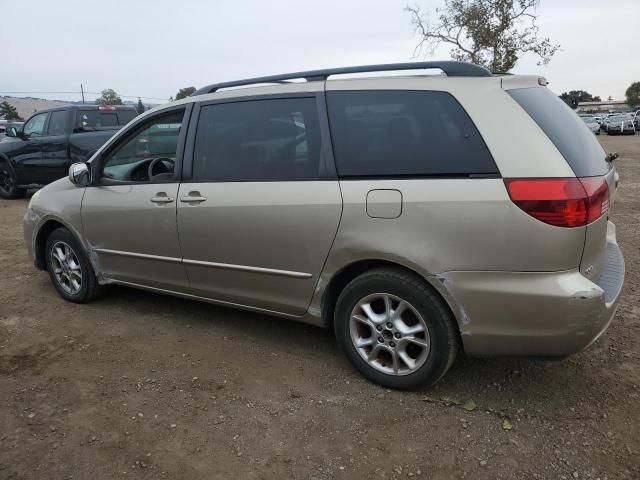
<point x="69" y="268"/>
<point x="395" y="330"/>
<point x="8" y="183"/>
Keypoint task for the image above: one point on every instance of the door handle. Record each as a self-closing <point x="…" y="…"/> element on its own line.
<point x="193" y="197"/>
<point x="162" y="199"/>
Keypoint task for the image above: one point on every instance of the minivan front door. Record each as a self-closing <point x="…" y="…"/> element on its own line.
<point x="129" y="216"/>
<point x="258" y="217"/>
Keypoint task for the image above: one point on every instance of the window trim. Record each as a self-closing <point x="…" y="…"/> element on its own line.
<point x="133" y="130"/>
<point x="327" y="162"/>
<point x="417" y="176"/>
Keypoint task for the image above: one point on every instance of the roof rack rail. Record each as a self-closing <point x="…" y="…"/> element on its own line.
<point x="450" y="68"/>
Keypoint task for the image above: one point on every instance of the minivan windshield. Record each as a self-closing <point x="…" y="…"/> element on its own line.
<point x="571" y="137"/>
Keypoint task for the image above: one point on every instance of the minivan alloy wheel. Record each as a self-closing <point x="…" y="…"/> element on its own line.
<point x="66" y="267"/>
<point x="389" y="334"/>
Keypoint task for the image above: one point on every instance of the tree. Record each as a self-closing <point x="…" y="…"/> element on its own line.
<point x="140" y="107"/>
<point x="633" y="94"/>
<point x="185" y="92"/>
<point x="109" y="97"/>
<point x="574" y="97"/>
<point x="9" y="112"/>
<point x="491" y="33"/>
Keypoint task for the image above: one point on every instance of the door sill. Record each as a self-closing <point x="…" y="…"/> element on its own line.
<point x="189" y="296"/>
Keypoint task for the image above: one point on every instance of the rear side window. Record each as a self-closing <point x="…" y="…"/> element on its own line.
<point x="259" y="140"/>
<point x="412" y="133"/>
<point x="564" y="128"/>
<point x="97" y="119"/>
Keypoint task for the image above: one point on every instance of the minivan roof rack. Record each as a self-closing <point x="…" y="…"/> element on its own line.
<point x="450" y="68"/>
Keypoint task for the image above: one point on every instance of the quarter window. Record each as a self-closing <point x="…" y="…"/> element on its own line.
<point x="150" y="154"/>
<point x="35" y="126"/>
<point x="259" y="140"/>
<point x="404" y="133"/>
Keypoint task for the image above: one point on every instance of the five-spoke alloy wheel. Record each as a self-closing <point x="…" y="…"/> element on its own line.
<point x="389" y="334"/>
<point x="69" y="268"/>
<point x="66" y="267"/>
<point x="395" y="329"/>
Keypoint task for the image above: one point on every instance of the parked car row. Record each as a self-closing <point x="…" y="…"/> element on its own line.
<point x="613" y="123"/>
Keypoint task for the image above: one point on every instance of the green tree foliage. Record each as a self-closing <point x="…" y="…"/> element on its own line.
<point x="185" y="92"/>
<point x="109" y="97"/>
<point x="633" y="94"/>
<point x="9" y="112"/>
<point x="140" y="107"/>
<point x="574" y="97"/>
<point x="491" y="33"/>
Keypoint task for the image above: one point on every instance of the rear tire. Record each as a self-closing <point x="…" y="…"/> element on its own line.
<point x="69" y="268"/>
<point x="9" y="182"/>
<point x="395" y="330"/>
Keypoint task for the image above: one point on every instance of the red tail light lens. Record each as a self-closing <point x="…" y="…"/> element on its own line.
<point x="106" y="107"/>
<point x="563" y="202"/>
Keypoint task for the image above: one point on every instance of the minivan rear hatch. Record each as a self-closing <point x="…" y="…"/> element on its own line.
<point x="584" y="155"/>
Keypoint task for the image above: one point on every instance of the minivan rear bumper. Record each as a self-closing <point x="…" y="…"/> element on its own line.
<point x="540" y="314"/>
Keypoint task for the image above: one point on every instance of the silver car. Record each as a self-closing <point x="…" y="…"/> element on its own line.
<point x="416" y="216"/>
<point x="592" y="123"/>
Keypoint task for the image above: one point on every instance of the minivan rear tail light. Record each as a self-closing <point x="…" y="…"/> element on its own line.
<point x="563" y="202"/>
<point x="106" y="107"/>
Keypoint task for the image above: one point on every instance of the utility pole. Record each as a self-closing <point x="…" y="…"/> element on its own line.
<point x="82" y="91"/>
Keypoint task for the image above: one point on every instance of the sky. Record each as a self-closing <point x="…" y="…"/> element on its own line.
<point x="152" y="48"/>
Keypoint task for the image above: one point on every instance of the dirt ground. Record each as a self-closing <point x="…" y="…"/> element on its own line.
<point x="146" y="386"/>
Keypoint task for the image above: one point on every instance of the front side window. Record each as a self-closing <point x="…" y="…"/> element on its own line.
<point x="148" y="155"/>
<point x="258" y="140"/>
<point x="58" y="123"/>
<point x="404" y="133"/>
<point x="35" y="126"/>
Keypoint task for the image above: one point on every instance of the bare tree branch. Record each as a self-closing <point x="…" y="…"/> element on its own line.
<point x="493" y="33"/>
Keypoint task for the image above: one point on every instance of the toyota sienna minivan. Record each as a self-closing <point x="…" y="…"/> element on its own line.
<point x="417" y="216"/>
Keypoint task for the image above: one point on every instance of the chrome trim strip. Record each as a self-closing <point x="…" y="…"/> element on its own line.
<point x="228" y="266"/>
<point x="203" y="299"/>
<point x="137" y="255"/>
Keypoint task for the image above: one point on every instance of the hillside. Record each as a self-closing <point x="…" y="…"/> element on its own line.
<point x="27" y="106"/>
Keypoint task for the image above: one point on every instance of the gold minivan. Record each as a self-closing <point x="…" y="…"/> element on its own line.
<point x="415" y="215"/>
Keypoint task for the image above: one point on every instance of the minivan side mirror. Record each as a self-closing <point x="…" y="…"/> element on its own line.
<point x="11" y="132"/>
<point x="79" y="174"/>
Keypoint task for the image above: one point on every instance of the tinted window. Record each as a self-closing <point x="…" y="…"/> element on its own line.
<point x="156" y="141"/>
<point x="58" y="123"/>
<point x="35" y="126"/>
<point x="96" y="119"/>
<point x="276" y="139"/>
<point x="390" y="133"/>
<point x="571" y="137"/>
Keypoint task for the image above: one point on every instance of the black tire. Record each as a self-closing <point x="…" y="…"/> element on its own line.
<point x="441" y="326"/>
<point x="8" y="183"/>
<point x="88" y="284"/>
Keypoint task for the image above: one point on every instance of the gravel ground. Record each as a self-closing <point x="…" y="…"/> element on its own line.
<point x="145" y="386"/>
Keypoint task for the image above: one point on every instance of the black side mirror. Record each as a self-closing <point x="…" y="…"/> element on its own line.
<point x="11" y="132"/>
<point x="611" y="157"/>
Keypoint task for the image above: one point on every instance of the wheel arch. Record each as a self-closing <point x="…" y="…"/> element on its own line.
<point x="348" y="272"/>
<point x="40" y="240"/>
